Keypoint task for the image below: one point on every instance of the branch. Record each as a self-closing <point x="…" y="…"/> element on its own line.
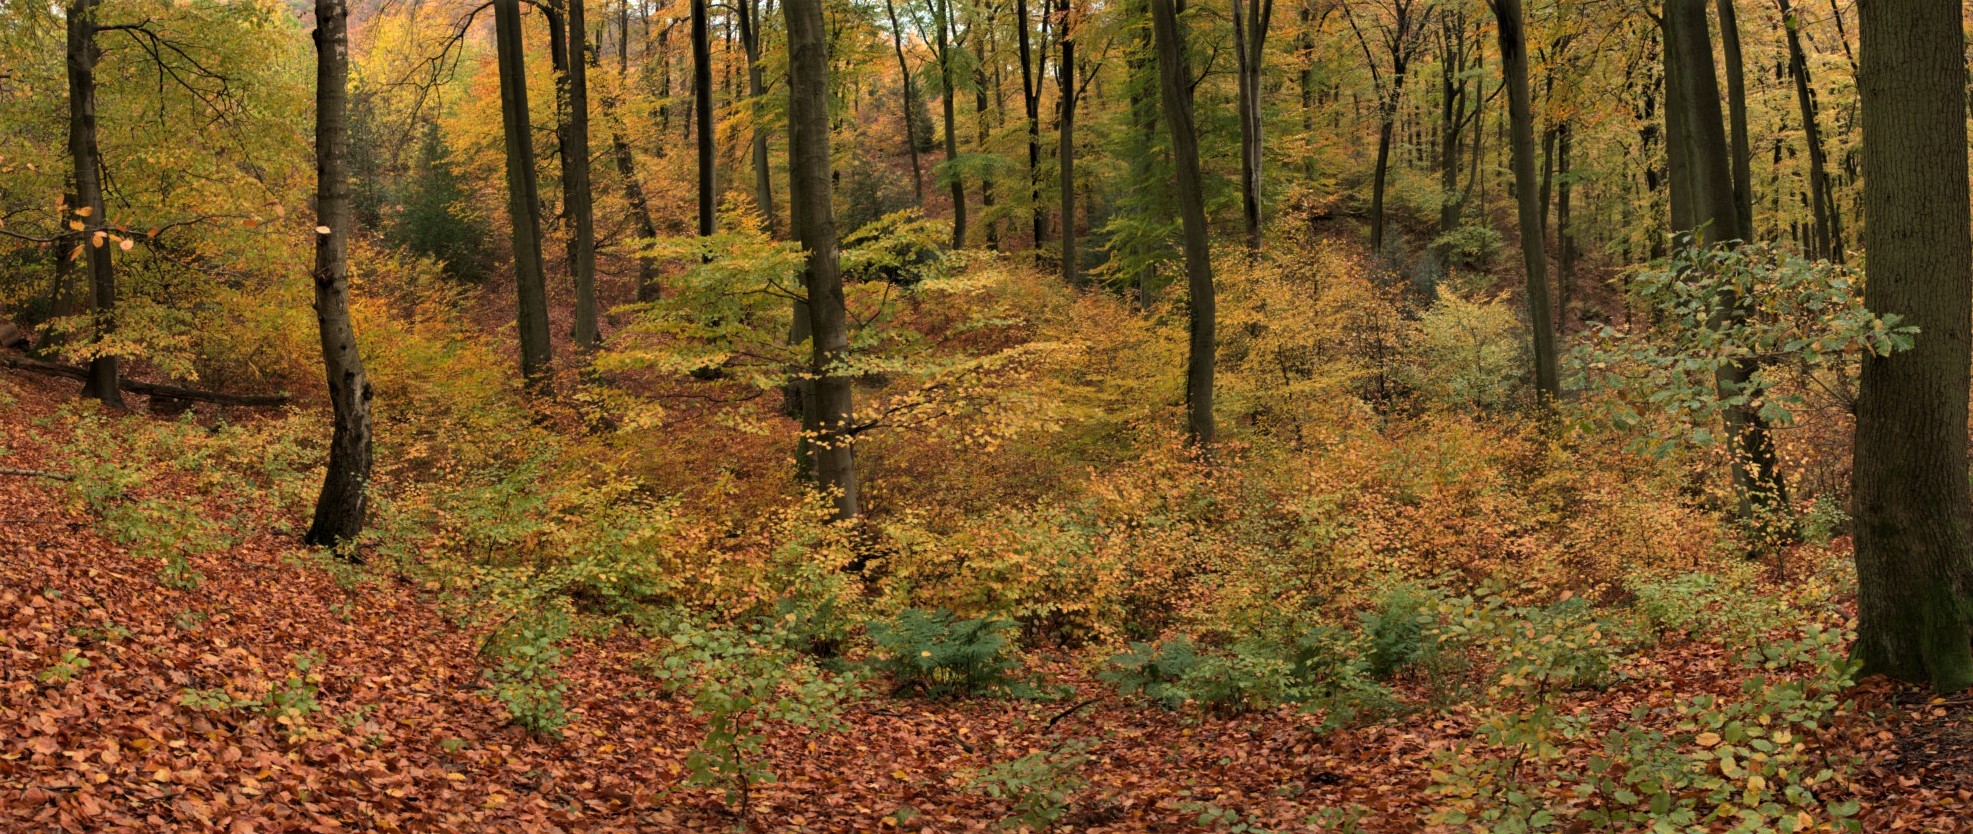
<point x="153" y="389"/>
<point x="35" y="473"/>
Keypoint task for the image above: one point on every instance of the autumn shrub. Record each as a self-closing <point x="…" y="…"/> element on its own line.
<point x="1154" y="672"/>
<point x="1038" y="786"/>
<point x="524" y="675"/>
<point x="935" y="653"/>
<point x="1466" y="356"/>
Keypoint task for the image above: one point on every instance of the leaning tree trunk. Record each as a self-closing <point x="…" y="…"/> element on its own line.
<point x="702" y="115"/>
<point x="1065" y="74"/>
<point x="633" y="193"/>
<point x="1520" y="115"/>
<point x="1175" y="87"/>
<point x="523" y="196"/>
<point x="83" y="54"/>
<point x="1914" y="525"/>
<point x="339" y="510"/>
<point x="829" y="414"/>
<point x="904" y="71"/>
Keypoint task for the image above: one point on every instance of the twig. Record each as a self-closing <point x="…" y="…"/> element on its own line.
<point x="1068" y="712"/>
<point x="35" y="473"/>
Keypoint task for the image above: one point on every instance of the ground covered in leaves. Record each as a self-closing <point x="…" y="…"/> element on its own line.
<point x="273" y="696"/>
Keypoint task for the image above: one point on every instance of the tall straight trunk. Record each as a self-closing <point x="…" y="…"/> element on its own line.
<point x="829" y="415"/>
<point x="1914" y="523"/>
<point x="1032" y="66"/>
<point x="569" y="37"/>
<point x="982" y="133"/>
<point x="756" y="94"/>
<point x="1065" y="74"/>
<point x="103" y="383"/>
<point x="1828" y="225"/>
<point x="1716" y="214"/>
<point x="340" y="508"/>
<point x="1386" y="128"/>
<point x="702" y="115"/>
<point x="955" y="183"/>
<point x="904" y="71"/>
<point x="1452" y="118"/>
<point x="1736" y="109"/>
<point x="1565" y="236"/>
<point x="1520" y="107"/>
<point x="1175" y="88"/>
<point x="523" y="196"/>
<point x="633" y="193"/>
<point x="1249" y="42"/>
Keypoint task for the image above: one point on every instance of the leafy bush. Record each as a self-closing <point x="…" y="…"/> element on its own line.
<point x="1466" y="355"/>
<point x="526" y="678"/>
<point x="1038" y="785"/>
<point x="1154" y="672"/>
<point x="1396" y="632"/>
<point x="1470" y="247"/>
<point x="935" y="653"/>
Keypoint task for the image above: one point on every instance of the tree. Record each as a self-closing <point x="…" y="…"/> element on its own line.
<point x="829" y="413"/>
<point x="523" y="195"/>
<point x="340" y="509"/>
<point x="1249" y="50"/>
<point x="1736" y="109"/>
<point x="942" y="47"/>
<point x="571" y="59"/>
<point x="1175" y="88"/>
<point x="749" y="14"/>
<point x="702" y="116"/>
<point x="1065" y="77"/>
<point x="910" y="100"/>
<point x="1914" y="523"/>
<point x="1034" y="66"/>
<point x="1400" y="28"/>
<point x="1825" y="220"/>
<point x="83" y="53"/>
<point x="1520" y="115"/>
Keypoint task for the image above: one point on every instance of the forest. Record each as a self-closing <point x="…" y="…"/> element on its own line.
<point x="966" y="415"/>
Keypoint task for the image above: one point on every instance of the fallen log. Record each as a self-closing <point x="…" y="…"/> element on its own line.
<point x="35" y="473"/>
<point x="153" y="389"/>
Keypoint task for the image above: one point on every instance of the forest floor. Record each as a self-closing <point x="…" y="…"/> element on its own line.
<point x="402" y="740"/>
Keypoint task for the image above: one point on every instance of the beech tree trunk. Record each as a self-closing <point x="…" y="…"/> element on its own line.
<point x="1736" y="109"/>
<point x="1249" y="41"/>
<point x="1827" y="222"/>
<point x="1033" y="65"/>
<point x="1914" y="523"/>
<point x="83" y="53"/>
<point x="633" y="193"/>
<point x="1175" y="88"/>
<point x="702" y="116"/>
<point x="1520" y="109"/>
<point x="568" y="34"/>
<point x="1065" y="74"/>
<point x="757" y="93"/>
<point x="523" y="196"/>
<point x="955" y="183"/>
<point x="904" y="70"/>
<point x="341" y="506"/>
<point x="829" y="414"/>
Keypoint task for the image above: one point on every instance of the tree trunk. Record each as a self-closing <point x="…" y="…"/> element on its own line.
<point x="1520" y="107"/>
<point x="1065" y="75"/>
<point x="1828" y="227"/>
<point x="983" y="132"/>
<point x="1914" y="525"/>
<point x="1175" y="87"/>
<point x="1736" y="103"/>
<point x="83" y="54"/>
<point x="904" y="71"/>
<point x="756" y="94"/>
<point x="1249" y="41"/>
<point x="570" y="54"/>
<point x="829" y="415"/>
<point x="1032" y="66"/>
<point x="523" y="196"/>
<point x="633" y="193"/>
<point x="955" y="183"/>
<point x="702" y="116"/>
<point x="1716" y="217"/>
<point x="1565" y="237"/>
<point x="339" y="510"/>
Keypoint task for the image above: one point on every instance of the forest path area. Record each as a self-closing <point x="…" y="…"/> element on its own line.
<point x="280" y="695"/>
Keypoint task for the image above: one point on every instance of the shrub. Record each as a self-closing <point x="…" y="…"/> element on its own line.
<point x="526" y="678"/>
<point x="935" y="653"/>
<point x="1038" y="785"/>
<point x="1154" y="672"/>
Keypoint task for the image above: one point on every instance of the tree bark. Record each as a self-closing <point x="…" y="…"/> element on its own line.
<point x="955" y="183"/>
<point x="523" y="197"/>
<point x="1175" y="87"/>
<point x="1736" y="108"/>
<point x="633" y="193"/>
<point x="1827" y="223"/>
<point x="1065" y="74"/>
<point x="1249" y="43"/>
<point x="829" y="413"/>
<point x="341" y="506"/>
<point x="83" y="53"/>
<point x="904" y="71"/>
<point x="570" y="55"/>
<point x="702" y="116"/>
<point x="1520" y="106"/>
<point x="1914" y="523"/>
<point x="1032" y="66"/>
<point x="757" y="93"/>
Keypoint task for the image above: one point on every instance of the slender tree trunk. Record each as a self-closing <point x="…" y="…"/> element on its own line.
<point x="1716" y="212"/>
<point x="1031" y="101"/>
<point x="1828" y="227"/>
<point x="702" y="116"/>
<point x="633" y="193"/>
<point x="904" y="71"/>
<point x="982" y="107"/>
<point x="569" y="37"/>
<point x="829" y="420"/>
<point x="340" y="509"/>
<point x="1065" y="74"/>
<point x="756" y="94"/>
<point x="1736" y="101"/>
<point x="1565" y="236"/>
<point x="1520" y="106"/>
<point x="523" y="196"/>
<point x="83" y="53"/>
<point x="1249" y="42"/>
<point x="1175" y="85"/>
<point x="1914" y="530"/>
<point x="954" y="182"/>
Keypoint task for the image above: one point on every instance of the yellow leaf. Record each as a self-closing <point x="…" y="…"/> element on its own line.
<point x="84" y="211"/>
<point x="1756" y="783"/>
<point x="1708" y="739"/>
<point x="322" y="230"/>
